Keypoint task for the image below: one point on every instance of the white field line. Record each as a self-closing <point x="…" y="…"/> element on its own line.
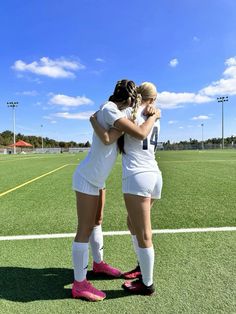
<point x="198" y="161"/>
<point x="30" y="181"/>
<point x="112" y="233"/>
<point x="20" y="158"/>
<point x="32" y="157"/>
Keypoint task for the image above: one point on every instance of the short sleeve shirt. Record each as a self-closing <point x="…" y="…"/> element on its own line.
<point x="97" y="165"/>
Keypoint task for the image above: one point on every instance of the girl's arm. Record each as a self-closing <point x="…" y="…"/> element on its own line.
<point x="140" y="132"/>
<point x="106" y="136"/>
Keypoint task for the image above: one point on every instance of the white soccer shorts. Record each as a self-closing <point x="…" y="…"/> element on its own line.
<point x="147" y="184"/>
<point x="80" y="184"/>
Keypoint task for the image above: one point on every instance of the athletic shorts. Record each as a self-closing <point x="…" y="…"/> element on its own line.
<point x="147" y="184"/>
<point x="80" y="184"/>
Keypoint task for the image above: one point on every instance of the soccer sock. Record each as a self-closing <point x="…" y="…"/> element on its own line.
<point x="96" y="243"/>
<point x="135" y="245"/>
<point x="80" y="257"/>
<point x="146" y="260"/>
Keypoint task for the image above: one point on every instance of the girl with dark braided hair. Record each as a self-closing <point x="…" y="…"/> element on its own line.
<point x="89" y="183"/>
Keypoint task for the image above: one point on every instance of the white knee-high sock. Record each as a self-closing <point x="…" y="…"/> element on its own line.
<point x="96" y="243"/>
<point x="80" y="256"/>
<point x="135" y="245"/>
<point x="146" y="260"/>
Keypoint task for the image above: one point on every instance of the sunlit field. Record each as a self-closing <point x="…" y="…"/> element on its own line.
<point x="194" y="272"/>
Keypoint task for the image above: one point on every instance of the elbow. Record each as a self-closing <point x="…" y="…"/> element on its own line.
<point x="142" y="136"/>
<point x="106" y="140"/>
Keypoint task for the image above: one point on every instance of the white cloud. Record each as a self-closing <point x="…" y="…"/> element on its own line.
<point x="68" y="101"/>
<point x="28" y="93"/>
<point x="201" y="118"/>
<point x="172" y="122"/>
<point x="231" y="61"/>
<point x="181" y="127"/>
<point x="227" y="84"/>
<point x="170" y="100"/>
<point x="58" y="68"/>
<point x="47" y="117"/>
<point x="196" y="39"/>
<point x="77" y="116"/>
<point x="100" y="60"/>
<point x="224" y="86"/>
<point x="173" y="63"/>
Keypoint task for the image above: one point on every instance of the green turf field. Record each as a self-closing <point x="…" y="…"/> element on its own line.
<point x="194" y="272"/>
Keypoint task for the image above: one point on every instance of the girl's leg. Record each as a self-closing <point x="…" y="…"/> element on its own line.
<point x="133" y="235"/>
<point x="136" y="272"/>
<point x="96" y="237"/>
<point x="86" y="212"/>
<point x="138" y="208"/>
<point x="131" y="229"/>
<point x="96" y="242"/>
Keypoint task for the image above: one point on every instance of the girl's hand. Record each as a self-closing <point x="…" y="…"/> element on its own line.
<point x="158" y="113"/>
<point x="150" y="110"/>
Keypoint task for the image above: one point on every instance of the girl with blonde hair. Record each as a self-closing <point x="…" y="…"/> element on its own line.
<point x="141" y="185"/>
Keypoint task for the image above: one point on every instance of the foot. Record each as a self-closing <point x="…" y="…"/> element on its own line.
<point x="85" y="290"/>
<point x="133" y="274"/>
<point x="138" y="287"/>
<point x="104" y="268"/>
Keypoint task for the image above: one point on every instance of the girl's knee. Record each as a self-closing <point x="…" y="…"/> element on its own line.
<point x="83" y="233"/>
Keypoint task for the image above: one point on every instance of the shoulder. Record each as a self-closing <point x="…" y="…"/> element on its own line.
<point x="127" y="112"/>
<point x="109" y="105"/>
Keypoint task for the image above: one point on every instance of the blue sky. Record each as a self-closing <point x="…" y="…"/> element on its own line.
<point x="61" y="59"/>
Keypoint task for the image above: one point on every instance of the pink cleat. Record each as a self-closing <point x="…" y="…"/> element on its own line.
<point x="85" y="290"/>
<point x="133" y="274"/>
<point x="104" y="268"/>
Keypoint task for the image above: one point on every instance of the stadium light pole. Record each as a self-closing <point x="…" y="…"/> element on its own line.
<point x="202" y="125"/>
<point x="222" y="100"/>
<point x="42" y="137"/>
<point x="13" y="105"/>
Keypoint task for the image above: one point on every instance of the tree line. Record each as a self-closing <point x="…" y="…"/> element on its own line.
<point x="6" y="139"/>
<point x="192" y="143"/>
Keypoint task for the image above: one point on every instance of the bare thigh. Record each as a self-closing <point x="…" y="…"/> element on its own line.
<point x="139" y="208"/>
<point x="86" y="212"/>
<point x="129" y="223"/>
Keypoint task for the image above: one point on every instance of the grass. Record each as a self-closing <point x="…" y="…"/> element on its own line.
<point x="194" y="273"/>
<point x="191" y="272"/>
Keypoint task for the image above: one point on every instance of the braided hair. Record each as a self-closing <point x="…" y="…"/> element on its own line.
<point x="144" y="92"/>
<point x="135" y="106"/>
<point x="125" y="94"/>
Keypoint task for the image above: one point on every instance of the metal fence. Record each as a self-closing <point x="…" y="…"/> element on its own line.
<point x="198" y="146"/>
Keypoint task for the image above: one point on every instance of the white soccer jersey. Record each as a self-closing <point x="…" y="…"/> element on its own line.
<point x="97" y="165"/>
<point x="140" y="154"/>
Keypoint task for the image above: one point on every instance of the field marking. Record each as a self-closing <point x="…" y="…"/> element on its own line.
<point x="32" y="157"/>
<point x="21" y="158"/>
<point x="30" y="181"/>
<point x="200" y="161"/>
<point x="112" y="233"/>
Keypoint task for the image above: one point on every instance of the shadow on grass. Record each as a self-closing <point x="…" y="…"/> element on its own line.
<point x="29" y="284"/>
